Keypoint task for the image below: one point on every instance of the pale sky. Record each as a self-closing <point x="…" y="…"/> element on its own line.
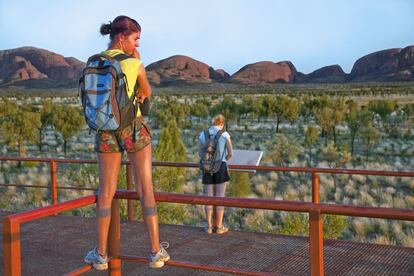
<point x="225" y="34"/>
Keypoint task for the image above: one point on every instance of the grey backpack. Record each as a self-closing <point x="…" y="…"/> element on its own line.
<point x="103" y="91"/>
<point x="210" y="157"/>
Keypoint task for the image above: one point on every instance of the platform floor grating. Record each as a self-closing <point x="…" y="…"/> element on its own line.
<point x="55" y="245"/>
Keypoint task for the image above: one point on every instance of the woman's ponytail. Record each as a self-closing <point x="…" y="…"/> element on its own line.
<point x="105" y="29"/>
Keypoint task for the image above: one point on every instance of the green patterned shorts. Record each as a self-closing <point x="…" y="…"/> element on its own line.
<point x="118" y="141"/>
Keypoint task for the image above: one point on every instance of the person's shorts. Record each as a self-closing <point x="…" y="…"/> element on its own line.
<point x="118" y="141"/>
<point x="217" y="178"/>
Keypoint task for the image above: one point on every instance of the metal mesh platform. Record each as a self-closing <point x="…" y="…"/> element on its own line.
<point x="56" y="245"/>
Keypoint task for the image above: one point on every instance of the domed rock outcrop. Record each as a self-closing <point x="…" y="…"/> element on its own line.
<point x="181" y="69"/>
<point x="27" y="63"/>
<point x="328" y="74"/>
<point x="265" y="72"/>
<point x="392" y="64"/>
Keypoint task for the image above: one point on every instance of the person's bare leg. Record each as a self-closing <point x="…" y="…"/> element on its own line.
<point x="209" y="191"/>
<point x="220" y="192"/>
<point x="142" y="168"/>
<point x="109" y="164"/>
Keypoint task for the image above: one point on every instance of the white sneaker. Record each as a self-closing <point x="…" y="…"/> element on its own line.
<point x="158" y="259"/>
<point x="98" y="261"/>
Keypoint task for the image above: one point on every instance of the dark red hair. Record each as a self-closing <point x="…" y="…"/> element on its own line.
<point x="121" y="25"/>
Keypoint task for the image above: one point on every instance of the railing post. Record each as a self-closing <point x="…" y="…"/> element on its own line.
<point x="53" y="182"/>
<point x="114" y="238"/>
<point x="11" y="248"/>
<point x="131" y="209"/>
<point x="316" y="242"/>
<point x="315" y="187"/>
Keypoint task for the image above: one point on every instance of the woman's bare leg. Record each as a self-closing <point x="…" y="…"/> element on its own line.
<point x="220" y="191"/>
<point x="109" y="164"/>
<point x="142" y="168"/>
<point x="209" y="191"/>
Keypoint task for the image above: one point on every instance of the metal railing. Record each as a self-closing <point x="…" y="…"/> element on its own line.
<point x="11" y="226"/>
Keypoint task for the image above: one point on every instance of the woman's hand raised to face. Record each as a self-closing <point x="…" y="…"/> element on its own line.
<point x="136" y="54"/>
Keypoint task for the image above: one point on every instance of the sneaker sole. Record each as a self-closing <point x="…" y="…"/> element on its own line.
<point x="97" y="266"/>
<point x="159" y="264"/>
<point x="100" y="266"/>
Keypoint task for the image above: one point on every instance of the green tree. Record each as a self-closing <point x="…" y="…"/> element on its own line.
<point x="298" y="224"/>
<point x="18" y="126"/>
<point x="323" y="116"/>
<point x="239" y="187"/>
<point x="408" y="111"/>
<point x="170" y="109"/>
<point x="199" y="109"/>
<point x="283" y="150"/>
<point x="353" y="121"/>
<point x="371" y="137"/>
<point x="334" y="226"/>
<point x="295" y="224"/>
<point x="285" y="109"/>
<point x="170" y="148"/>
<point x="68" y="121"/>
<point x="335" y="157"/>
<point x="258" y="108"/>
<point x="228" y="108"/>
<point x="245" y="107"/>
<point x="357" y="120"/>
<point x="307" y="106"/>
<point x="339" y="111"/>
<point x="382" y="107"/>
<point x="311" y="137"/>
<point x="268" y="106"/>
<point x="328" y="114"/>
<point x="46" y="116"/>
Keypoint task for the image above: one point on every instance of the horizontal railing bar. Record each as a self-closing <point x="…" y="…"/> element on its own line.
<point x="53" y="209"/>
<point x="25" y="186"/>
<point x="48" y="187"/>
<point x="222" y="201"/>
<point x="280" y="205"/>
<point x="199" y="266"/>
<point x="324" y="170"/>
<point x="257" y="168"/>
<point x="371" y="212"/>
<point x="76" y="188"/>
<point x="79" y="271"/>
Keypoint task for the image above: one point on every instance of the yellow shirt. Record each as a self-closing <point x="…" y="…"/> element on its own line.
<point x="130" y="68"/>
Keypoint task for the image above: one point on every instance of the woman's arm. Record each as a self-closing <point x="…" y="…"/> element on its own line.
<point x="229" y="147"/>
<point x="144" y="88"/>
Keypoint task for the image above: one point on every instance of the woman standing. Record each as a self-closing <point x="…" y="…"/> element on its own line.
<point x="215" y="184"/>
<point x="135" y="139"/>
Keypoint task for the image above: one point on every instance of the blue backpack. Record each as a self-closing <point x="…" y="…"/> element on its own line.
<point x="103" y="92"/>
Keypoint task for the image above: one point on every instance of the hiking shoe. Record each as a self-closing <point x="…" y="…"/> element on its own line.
<point x="98" y="261"/>
<point x="221" y="230"/>
<point x="158" y="259"/>
<point x="208" y="230"/>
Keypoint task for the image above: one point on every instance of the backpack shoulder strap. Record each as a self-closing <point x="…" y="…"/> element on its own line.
<point x="121" y="57"/>
<point x="100" y="57"/>
<point x="206" y="135"/>
<point x="218" y="135"/>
